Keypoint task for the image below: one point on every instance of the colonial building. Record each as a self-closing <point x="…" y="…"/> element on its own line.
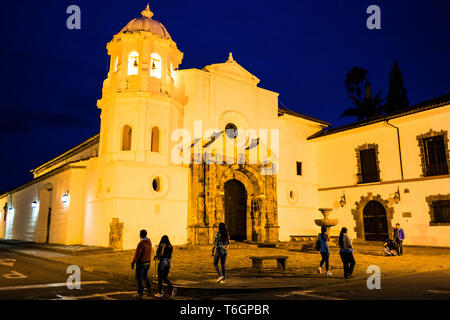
<point x="181" y="150"/>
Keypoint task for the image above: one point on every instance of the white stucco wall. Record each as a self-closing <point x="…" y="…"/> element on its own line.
<point x="338" y="167"/>
<point x="124" y="190"/>
<point x="27" y="223"/>
<point x="296" y="216"/>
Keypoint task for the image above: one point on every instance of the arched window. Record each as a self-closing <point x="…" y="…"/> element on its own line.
<point x="126" y="138"/>
<point x="116" y="64"/>
<point x="155" y="139"/>
<point x="155" y="65"/>
<point x="133" y="63"/>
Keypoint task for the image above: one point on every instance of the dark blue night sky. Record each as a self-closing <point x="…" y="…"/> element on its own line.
<point x="51" y="77"/>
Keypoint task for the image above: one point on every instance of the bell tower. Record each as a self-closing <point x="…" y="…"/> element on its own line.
<point x="134" y="184"/>
<point x="138" y="104"/>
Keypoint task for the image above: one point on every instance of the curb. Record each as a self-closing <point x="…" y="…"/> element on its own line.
<point x="34" y="245"/>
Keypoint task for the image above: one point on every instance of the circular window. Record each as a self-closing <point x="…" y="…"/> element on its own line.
<point x="156" y="184"/>
<point x="231" y="130"/>
<point x="159" y="184"/>
<point x="292" y="194"/>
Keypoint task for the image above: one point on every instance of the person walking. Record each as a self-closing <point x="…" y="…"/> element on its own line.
<point x="219" y="251"/>
<point x="142" y="259"/>
<point x="324" y="250"/>
<point x="164" y="254"/>
<point x="346" y="253"/>
<point x="399" y="236"/>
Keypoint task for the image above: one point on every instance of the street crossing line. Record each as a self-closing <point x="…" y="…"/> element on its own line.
<point x="50" y="285"/>
<point x="309" y="293"/>
<point x="105" y="296"/>
<point x="439" y="291"/>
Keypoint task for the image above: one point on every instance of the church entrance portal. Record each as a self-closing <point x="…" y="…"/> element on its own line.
<point x="236" y="210"/>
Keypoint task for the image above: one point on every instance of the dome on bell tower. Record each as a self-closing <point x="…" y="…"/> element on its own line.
<point x="146" y="23"/>
<point x="143" y="57"/>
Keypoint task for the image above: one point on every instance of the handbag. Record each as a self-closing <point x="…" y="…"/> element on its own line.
<point x="318" y="244"/>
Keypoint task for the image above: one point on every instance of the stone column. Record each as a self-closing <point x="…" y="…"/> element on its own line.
<point x="271" y="225"/>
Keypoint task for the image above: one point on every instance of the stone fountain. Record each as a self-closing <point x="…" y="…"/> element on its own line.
<point x="327" y="222"/>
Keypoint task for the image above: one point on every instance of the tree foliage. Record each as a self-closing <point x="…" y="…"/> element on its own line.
<point x="397" y="98"/>
<point x="364" y="105"/>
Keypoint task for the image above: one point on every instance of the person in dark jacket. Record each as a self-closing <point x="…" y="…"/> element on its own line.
<point x="399" y="236"/>
<point x="219" y="251"/>
<point x="142" y="259"/>
<point x="346" y="253"/>
<point x="164" y="254"/>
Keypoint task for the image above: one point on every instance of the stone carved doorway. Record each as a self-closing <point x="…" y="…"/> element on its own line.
<point x="236" y="210"/>
<point x="207" y="204"/>
<point x="375" y="222"/>
<point x="365" y="216"/>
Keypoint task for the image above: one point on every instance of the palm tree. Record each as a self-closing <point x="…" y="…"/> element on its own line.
<point x="366" y="106"/>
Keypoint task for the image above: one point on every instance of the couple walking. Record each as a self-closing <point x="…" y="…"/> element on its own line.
<point x="143" y="255"/>
<point x="346" y="252"/>
<point x="142" y="259"/>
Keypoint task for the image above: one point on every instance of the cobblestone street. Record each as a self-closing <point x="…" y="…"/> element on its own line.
<point x="192" y="267"/>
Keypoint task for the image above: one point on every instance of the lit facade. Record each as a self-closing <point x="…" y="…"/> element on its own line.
<point x="126" y="178"/>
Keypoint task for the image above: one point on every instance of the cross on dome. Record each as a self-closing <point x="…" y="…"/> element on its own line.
<point x="147" y="13"/>
<point x="230" y="57"/>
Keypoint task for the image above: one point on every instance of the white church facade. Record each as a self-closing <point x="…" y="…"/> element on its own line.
<point x="181" y="150"/>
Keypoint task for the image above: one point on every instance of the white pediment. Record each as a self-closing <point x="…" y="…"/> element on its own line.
<point x="232" y="69"/>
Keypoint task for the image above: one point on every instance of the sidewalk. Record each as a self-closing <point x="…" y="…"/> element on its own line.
<point x="192" y="268"/>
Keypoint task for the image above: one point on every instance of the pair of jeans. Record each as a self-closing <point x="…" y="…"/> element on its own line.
<point x="142" y="275"/>
<point x="399" y="246"/>
<point x="349" y="262"/>
<point x="221" y="254"/>
<point x="163" y="274"/>
<point x="325" y="259"/>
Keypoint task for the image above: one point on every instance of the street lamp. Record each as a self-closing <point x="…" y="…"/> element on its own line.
<point x="343" y="201"/>
<point x="65" y="198"/>
<point x="35" y="204"/>
<point x="397" y="196"/>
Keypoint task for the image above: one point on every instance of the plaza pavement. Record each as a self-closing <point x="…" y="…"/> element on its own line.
<point x="192" y="267"/>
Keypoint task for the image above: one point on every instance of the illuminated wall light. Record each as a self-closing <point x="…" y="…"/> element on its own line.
<point x="34" y="213"/>
<point x="65" y="198"/>
<point x="9" y="223"/>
